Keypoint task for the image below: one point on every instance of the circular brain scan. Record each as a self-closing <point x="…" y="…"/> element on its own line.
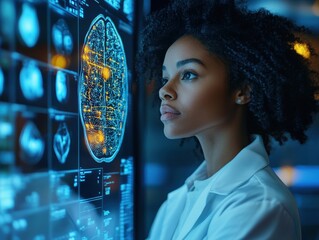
<point x="29" y="27"/>
<point x="103" y="90"/>
<point x="31" y="144"/>
<point x="62" y="38"/>
<point x="31" y="81"/>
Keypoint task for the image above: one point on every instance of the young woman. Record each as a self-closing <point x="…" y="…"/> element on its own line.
<point x="231" y="78"/>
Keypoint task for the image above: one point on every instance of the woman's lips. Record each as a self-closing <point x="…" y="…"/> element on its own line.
<point x="168" y="113"/>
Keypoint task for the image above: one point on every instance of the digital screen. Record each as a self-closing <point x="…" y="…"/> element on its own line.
<point x="66" y="130"/>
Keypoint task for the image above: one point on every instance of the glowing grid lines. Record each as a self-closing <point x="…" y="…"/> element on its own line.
<point x="103" y="90"/>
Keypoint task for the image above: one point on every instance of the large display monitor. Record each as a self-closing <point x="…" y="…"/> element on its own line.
<point x="66" y="130"/>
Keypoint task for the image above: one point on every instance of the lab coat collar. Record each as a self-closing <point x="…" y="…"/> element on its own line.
<point x="175" y="205"/>
<point x="245" y="164"/>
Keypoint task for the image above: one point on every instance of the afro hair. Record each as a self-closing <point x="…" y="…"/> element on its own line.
<point x="257" y="48"/>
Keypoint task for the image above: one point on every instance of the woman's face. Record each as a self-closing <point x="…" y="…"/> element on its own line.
<point x="195" y="97"/>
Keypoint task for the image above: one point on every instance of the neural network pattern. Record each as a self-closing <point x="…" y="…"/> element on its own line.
<point x="103" y="89"/>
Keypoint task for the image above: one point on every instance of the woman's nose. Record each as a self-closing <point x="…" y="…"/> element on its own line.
<point x="167" y="93"/>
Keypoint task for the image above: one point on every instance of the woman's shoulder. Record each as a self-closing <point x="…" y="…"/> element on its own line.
<point x="264" y="188"/>
<point x="262" y="200"/>
<point x="269" y="186"/>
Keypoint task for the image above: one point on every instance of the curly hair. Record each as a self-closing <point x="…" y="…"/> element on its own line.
<point x="257" y="49"/>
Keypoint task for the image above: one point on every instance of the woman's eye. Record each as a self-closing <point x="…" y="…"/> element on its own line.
<point x="164" y="81"/>
<point x="188" y="76"/>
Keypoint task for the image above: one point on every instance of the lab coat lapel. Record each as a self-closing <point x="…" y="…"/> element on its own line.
<point x="175" y="205"/>
<point x="194" y="213"/>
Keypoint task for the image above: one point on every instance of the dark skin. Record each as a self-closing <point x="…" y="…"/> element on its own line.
<point x="196" y="101"/>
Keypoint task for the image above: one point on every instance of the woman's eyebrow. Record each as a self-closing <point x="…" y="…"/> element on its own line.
<point x="186" y="61"/>
<point x="189" y="60"/>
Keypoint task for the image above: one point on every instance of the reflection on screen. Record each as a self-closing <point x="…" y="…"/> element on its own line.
<point x="51" y="185"/>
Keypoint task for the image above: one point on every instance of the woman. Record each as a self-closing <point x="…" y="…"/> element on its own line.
<point x="231" y="78"/>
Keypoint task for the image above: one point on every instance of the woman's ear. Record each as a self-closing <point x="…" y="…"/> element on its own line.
<point x="242" y="95"/>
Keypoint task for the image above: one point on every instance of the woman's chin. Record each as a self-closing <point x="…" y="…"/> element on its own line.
<point x="173" y="135"/>
<point x="170" y="135"/>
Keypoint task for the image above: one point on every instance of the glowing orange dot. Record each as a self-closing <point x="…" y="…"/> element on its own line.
<point x="96" y="137"/>
<point x="86" y="49"/>
<point x="104" y="150"/>
<point x="99" y="137"/>
<point x="85" y="57"/>
<point x="89" y="126"/>
<point x="106" y="73"/>
<point x="59" y="61"/>
<point x="302" y="49"/>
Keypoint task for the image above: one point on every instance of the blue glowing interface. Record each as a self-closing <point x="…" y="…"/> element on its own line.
<point x="66" y="138"/>
<point x="103" y="90"/>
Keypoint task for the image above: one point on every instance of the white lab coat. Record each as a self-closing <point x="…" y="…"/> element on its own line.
<point x="243" y="200"/>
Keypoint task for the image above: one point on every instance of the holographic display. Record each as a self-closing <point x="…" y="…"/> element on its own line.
<point x="64" y="86"/>
<point x="31" y="144"/>
<point x="62" y="142"/>
<point x="62" y="64"/>
<point x="61" y="86"/>
<point x="29" y="27"/>
<point x="62" y="38"/>
<point x="31" y="81"/>
<point x="103" y="90"/>
<point x="126" y="206"/>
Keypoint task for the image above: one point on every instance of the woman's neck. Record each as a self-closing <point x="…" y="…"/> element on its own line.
<point x="222" y="145"/>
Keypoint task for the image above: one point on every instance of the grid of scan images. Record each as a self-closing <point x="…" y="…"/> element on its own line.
<point x="66" y="138"/>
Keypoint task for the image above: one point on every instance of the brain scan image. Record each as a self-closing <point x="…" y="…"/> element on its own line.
<point x="28" y="25"/>
<point x="62" y="142"/>
<point x="1" y="81"/>
<point x="62" y="38"/>
<point x="31" y="144"/>
<point x="103" y="90"/>
<point x="31" y="81"/>
<point x="61" y="87"/>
